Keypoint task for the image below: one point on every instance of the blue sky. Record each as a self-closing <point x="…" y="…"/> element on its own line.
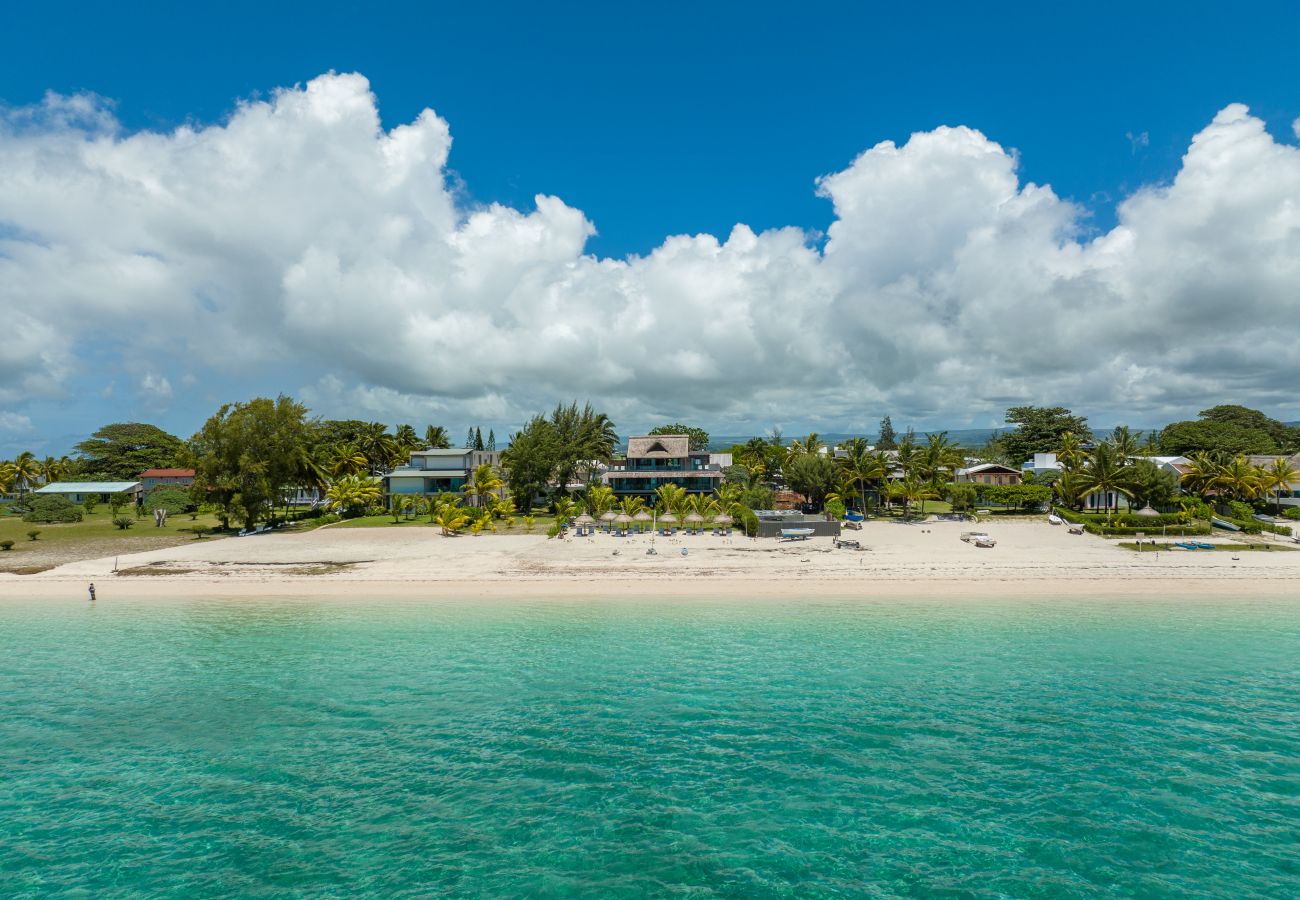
<point x="673" y="118"/>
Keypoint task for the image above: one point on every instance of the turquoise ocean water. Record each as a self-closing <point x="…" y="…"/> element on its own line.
<point x="347" y="748"/>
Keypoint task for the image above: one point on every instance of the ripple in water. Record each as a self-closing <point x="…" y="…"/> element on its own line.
<point x="820" y="749"/>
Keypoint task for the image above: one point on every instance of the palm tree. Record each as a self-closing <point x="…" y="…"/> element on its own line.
<point x="939" y="459"/>
<point x="857" y="466"/>
<point x="671" y="499"/>
<point x="347" y="461"/>
<point x="7" y="477"/>
<point x="436" y="438"/>
<point x="565" y="507"/>
<point x="352" y="492"/>
<point x="1069" y="488"/>
<point x="1107" y="472"/>
<point x="1202" y="475"/>
<point x="483" y="484"/>
<point x="406" y="438"/>
<point x="1071" y="453"/>
<point x="1239" y="480"/>
<point x="52" y="470"/>
<point x="631" y="505"/>
<point x="450" y="518"/>
<point x="1278" y="478"/>
<point x="911" y="490"/>
<point x="807" y="446"/>
<point x="600" y="500"/>
<point x="26" y="469"/>
<point x="1125" y="442"/>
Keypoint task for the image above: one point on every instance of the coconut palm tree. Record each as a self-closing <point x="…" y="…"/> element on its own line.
<point x="1126" y="443"/>
<point x="52" y="470"/>
<point x="1239" y="480"/>
<point x="857" y="466"/>
<point x="352" y="492"/>
<point x="806" y="446"/>
<point x="1278" y="478"/>
<point x="911" y="490"/>
<point x="347" y="461"/>
<point x="26" y="470"/>
<point x="1108" y="473"/>
<point x="380" y="448"/>
<point x="436" y="438"/>
<point x="939" y="459"/>
<point x="600" y="500"/>
<point x="671" y="498"/>
<point x="1069" y="488"/>
<point x="1202" y="475"/>
<point x="450" y="518"/>
<point x="8" y="476"/>
<point x="1071" y="453"/>
<point x="565" y="508"/>
<point x="406" y="438"/>
<point x="484" y="484"/>
<point x="631" y="505"/>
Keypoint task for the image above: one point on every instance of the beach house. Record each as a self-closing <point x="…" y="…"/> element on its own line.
<point x="180" y="479"/>
<point x="989" y="473"/>
<point x="430" y="472"/>
<point x="78" y="491"/>
<point x="659" y="459"/>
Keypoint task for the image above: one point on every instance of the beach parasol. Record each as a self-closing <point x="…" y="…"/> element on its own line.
<point x="642" y="516"/>
<point x="609" y="516"/>
<point x="723" y="519"/>
<point x="584" y="519"/>
<point x="1146" y="511"/>
<point x="622" y="518"/>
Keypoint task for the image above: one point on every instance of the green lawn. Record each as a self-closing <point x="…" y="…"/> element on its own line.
<point x="1147" y="547"/>
<point x="93" y="537"/>
<point x="386" y="521"/>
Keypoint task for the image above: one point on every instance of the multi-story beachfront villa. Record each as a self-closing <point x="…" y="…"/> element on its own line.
<point x="655" y="460"/>
<point x="438" y="471"/>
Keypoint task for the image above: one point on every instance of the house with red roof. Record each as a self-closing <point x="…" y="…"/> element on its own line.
<point x="180" y="479"/>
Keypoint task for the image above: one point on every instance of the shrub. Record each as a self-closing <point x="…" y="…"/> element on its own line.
<point x="555" y="529"/>
<point x="6" y="545"/>
<point x="33" y="534"/>
<point x="123" y="522"/>
<point x="1292" y="512"/>
<point x="51" y="509"/>
<point x="90" y="503"/>
<point x="1239" y="510"/>
<point x="198" y="531"/>
<point x="118" y="500"/>
<point x="530" y="521"/>
<point x="329" y="519"/>
<point x="170" y="499"/>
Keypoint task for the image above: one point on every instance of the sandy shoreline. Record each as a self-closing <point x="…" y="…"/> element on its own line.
<point x="1032" y="559"/>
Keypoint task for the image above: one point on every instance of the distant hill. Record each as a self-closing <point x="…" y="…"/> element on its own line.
<point x="966" y="437"/>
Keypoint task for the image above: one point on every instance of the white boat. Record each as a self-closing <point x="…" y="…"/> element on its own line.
<point x="1227" y="526"/>
<point x="796" y="534"/>
<point x="1055" y="519"/>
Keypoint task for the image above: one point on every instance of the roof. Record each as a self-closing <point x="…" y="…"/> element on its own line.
<point x="450" y="451"/>
<point x="988" y="467"/>
<point x="88" y="487"/>
<point x="659" y="446"/>
<point x="167" y="473"/>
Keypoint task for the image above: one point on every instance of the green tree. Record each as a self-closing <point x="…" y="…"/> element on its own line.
<point x="1039" y="430"/>
<point x="478" y="439"/>
<point x="352" y="494"/>
<point x="121" y="451"/>
<point x="1152" y="485"/>
<point x="699" y="438"/>
<point x="812" y="475"/>
<point x="436" y="438"/>
<point x="174" y="501"/>
<point x="24" y="471"/>
<point x="491" y="440"/>
<point x="1215" y="436"/>
<point x="1279" y="477"/>
<point x="887" y="440"/>
<point x="483" y="485"/>
<point x="246" y="455"/>
<point x="1107" y="472"/>
<point x="406" y="438"/>
<point x="582" y="437"/>
<point x="530" y="460"/>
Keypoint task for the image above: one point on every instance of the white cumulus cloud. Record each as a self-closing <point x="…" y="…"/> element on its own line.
<point x="299" y="231"/>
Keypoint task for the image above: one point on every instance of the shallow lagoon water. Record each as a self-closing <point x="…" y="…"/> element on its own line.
<point x="625" y="748"/>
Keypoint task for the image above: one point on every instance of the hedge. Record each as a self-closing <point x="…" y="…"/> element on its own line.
<point x="52" y="508"/>
<point x="1167" y="523"/>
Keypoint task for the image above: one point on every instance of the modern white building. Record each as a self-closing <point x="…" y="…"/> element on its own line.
<point x="431" y="472"/>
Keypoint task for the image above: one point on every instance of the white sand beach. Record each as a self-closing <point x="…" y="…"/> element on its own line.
<point x="1031" y="558"/>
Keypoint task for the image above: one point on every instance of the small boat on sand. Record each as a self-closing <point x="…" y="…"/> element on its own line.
<point x="1055" y="519"/>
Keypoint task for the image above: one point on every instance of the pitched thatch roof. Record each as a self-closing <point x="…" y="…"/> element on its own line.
<point x="659" y="446"/>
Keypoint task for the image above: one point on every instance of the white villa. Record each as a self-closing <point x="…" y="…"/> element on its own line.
<point x="431" y="472"/>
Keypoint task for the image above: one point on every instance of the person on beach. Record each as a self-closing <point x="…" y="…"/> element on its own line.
<point x="92" y="592"/>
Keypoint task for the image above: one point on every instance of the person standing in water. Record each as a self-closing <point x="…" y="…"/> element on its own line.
<point x="92" y="592"/>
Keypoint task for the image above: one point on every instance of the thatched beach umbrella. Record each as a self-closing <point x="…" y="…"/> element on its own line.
<point x="642" y="516"/>
<point x="584" y="519"/>
<point x="723" y="519"/>
<point x="622" y="520"/>
<point x="694" y="518"/>
<point x="1146" y="511"/>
